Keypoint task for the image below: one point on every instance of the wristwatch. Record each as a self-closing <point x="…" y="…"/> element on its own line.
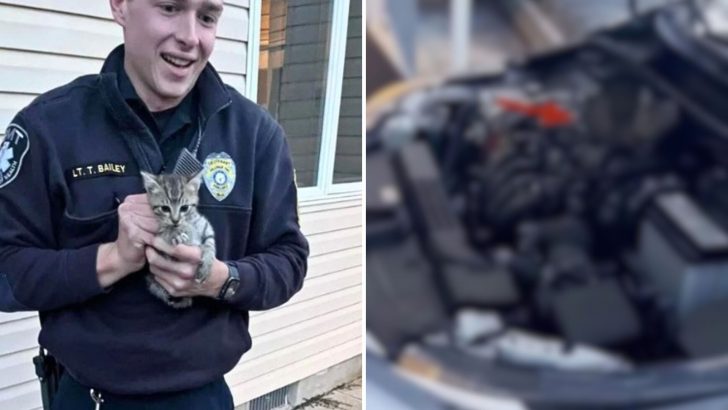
<point x="231" y="285"/>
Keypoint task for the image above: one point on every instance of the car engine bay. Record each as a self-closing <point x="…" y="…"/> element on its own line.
<point x="568" y="214"/>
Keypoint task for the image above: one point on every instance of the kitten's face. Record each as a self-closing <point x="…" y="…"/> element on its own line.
<point x="173" y="198"/>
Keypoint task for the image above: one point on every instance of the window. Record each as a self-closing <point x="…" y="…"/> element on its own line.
<point x="308" y="76"/>
<point x="347" y="163"/>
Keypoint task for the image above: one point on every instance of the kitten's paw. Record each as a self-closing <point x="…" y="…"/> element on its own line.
<point x="203" y="270"/>
<point x="205" y="267"/>
<point x="202" y="274"/>
<point x="179" y="239"/>
<point x="157" y="290"/>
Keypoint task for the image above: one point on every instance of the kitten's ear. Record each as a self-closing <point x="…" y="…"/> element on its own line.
<point x="195" y="181"/>
<point x="150" y="182"/>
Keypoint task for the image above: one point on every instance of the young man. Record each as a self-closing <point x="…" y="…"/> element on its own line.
<point x="77" y="236"/>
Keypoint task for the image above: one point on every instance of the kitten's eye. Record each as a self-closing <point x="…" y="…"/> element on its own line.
<point x="166" y="209"/>
<point x="185" y="208"/>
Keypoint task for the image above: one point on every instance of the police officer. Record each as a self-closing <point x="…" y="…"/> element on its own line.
<point x="77" y="236"/>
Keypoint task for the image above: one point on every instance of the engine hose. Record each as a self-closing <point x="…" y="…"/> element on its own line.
<point x="499" y="174"/>
<point x="513" y="199"/>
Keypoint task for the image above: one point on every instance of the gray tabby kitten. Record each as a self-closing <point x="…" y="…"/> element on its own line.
<point x="174" y="201"/>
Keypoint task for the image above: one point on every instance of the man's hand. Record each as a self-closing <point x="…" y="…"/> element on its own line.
<point x="176" y="271"/>
<point x="137" y="227"/>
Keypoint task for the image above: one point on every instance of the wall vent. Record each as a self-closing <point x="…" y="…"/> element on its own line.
<point x="277" y="399"/>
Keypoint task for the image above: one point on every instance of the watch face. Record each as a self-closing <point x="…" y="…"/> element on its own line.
<point x="232" y="289"/>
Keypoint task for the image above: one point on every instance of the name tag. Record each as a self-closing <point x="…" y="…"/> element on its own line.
<point x="102" y="169"/>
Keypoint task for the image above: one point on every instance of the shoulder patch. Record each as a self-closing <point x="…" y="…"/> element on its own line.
<point x="12" y="151"/>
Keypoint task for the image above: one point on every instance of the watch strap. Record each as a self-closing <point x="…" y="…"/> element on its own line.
<point x="233" y="275"/>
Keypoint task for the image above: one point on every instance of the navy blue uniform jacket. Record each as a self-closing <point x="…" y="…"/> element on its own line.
<point x="76" y="151"/>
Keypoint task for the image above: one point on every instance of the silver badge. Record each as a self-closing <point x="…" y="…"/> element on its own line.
<point x="219" y="175"/>
<point x="12" y="151"/>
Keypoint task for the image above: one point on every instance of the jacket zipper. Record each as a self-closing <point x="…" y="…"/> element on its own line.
<point x="97" y="398"/>
<point x="202" y="124"/>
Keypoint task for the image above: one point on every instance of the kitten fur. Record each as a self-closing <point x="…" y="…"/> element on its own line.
<point x="174" y="200"/>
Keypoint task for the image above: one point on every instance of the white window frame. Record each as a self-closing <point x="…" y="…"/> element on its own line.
<point x="325" y="187"/>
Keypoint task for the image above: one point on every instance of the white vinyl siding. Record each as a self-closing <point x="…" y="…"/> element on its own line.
<point x="321" y="325"/>
<point x="47" y="43"/>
